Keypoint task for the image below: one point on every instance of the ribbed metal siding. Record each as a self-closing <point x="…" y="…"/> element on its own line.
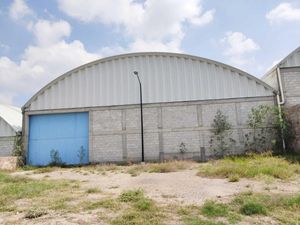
<point x="292" y="60"/>
<point x="165" y="78"/>
<point x="5" y="129"/>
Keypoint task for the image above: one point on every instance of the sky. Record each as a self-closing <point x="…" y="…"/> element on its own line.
<point x="41" y="40"/>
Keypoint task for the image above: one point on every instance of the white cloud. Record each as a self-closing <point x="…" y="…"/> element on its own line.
<point x="153" y="24"/>
<point x="43" y="62"/>
<point x="284" y="12"/>
<point x="49" y="32"/>
<point x="40" y="65"/>
<point x="238" y="48"/>
<point x="19" y="9"/>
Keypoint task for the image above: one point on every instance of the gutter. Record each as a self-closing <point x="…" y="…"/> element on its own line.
<point x="280" y="102"/>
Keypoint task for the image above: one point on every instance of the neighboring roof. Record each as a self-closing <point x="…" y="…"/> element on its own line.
<point x="12" y="115"/>
<point x="166" y="77"/>
<point x="292" y="60"/>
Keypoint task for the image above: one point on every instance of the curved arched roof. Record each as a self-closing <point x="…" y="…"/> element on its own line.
<point x="166" y="77"/>
<point x="10" y="120"/>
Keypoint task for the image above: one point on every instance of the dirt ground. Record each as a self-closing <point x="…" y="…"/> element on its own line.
<point x="180" y="188"/>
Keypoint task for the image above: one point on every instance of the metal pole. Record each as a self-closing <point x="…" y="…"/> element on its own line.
<point x="141" y="107"/>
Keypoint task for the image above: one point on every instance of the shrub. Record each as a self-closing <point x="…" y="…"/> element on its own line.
<point x="132" y="196"/>
<point x="234" y="178"/>
<point x="213" y="209"/>
<point x="35" y="213"/>
<point x="55" y="158"/>
<point x="251" y="208"/>
<point x="269" y="126"/>
<point x="221" y="140"/>
<point x="144" y="204"/>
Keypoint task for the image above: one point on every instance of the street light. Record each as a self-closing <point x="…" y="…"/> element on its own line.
<point x="141" y="106"/>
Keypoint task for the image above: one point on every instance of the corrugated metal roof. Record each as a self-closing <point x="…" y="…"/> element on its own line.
<point x="292" y="60"/>
<point x="12" y="116"/>
<point x="166" y="77"/>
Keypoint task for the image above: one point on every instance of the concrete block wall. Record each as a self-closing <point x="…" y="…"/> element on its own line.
<point x="6" y="146"/>
<point x="291" y="85"/>
<point x="115" y="131"/>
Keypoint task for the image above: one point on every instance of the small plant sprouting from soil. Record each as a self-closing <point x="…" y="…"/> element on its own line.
<point x="55" y="158"/>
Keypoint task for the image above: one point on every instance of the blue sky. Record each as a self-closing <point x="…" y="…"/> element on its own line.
<point x="41" y="40"/>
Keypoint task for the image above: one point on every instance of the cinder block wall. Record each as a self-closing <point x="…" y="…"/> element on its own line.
<point x="291" y="85"/>
<point x="6" y="146"/>
<point x="115" y="131"/>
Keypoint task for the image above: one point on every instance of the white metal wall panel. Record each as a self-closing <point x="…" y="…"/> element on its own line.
<point x="166" y="77"/>
<point x="292" y="60"/>
<point x="5" y="129"/>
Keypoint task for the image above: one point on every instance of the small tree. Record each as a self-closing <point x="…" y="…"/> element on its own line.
<point x="261" y="121"/>
<point x="221" y="140"/>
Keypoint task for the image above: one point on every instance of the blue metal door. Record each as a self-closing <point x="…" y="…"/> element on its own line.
<point x="64" y="135"/>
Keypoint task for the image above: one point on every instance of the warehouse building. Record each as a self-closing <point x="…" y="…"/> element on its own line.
<point x="91" y="114"/>
<point x="10" y="125"/>
<point x="285" y="78"/>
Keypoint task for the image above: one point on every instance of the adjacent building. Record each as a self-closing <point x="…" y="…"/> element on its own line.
<point x="10" y="126"/>
<point x="285" y="78"/>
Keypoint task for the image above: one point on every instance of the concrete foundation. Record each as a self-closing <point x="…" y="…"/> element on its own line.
<point x="8" y="163"/>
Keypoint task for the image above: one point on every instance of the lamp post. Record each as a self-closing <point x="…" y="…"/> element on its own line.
<point x="141" y="107"/>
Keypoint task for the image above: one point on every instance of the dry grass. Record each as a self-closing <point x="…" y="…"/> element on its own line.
<point x="136" y="169"/>
<point x="164" y="167"/>
<point x="253" y="166"/>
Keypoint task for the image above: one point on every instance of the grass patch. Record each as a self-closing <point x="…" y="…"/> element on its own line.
<point x="14" y="188"/>
<point x="213" y="209"/>
<point x="35" y="213"/>
<point x="256" y="165"/>
<point x="252" y="208"/>
<point x="46" y="169"/>
<point x="131" y="196"/>
<point x="139" y="210"/>
<point x="293" y="202"/>
<point x="234" y="178"/>
<point x="144" y="204"/>
<point x="284" y="209"/>
<point x="93" y="190"/>
<point x="104" y="203"/>
<point x="60" y="204"/>
<point x="164" y="167"/>
<point x="198" y="221"/>
<point x="133" y="217"/>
